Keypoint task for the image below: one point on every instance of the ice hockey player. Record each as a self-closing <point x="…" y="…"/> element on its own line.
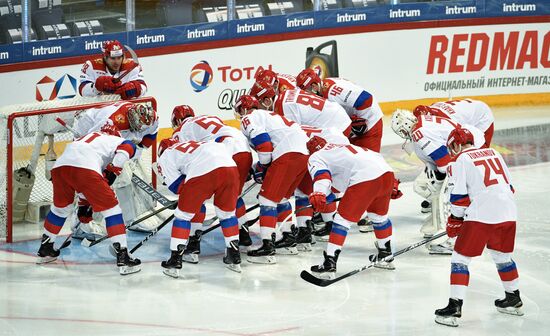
<point x="139" y="124"/>
<point x="302" y="107"/>
<point x="196" y="171"/>
<point x="366" y="181"/>
<point x="88" y="166"/>
<point x="483" y="214"/>
<point x="188" y="127"/>
<point x="100" y="75"/>
<point x="279" y="82"/>
<point x="465" y="112"/>
<point x="428" y="135"/>
<point x="281" y="147"/>
<point x="360" y="105"/>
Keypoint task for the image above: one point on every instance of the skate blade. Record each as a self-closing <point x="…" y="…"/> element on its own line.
<point x="45" y="260"/>
<point x="450" y="321"/>
<point x="324" y="275"/>
<point x="304" y="247"/>
<point x="192" y="258"/>
<point x="234" y="267"/>
<point x="125" y="270"/>
<point x="287" y="250"/>
<point x="172" y="272"/>
<point x="511" y="311"/>
<point x="366" y="228"/>
<point x="262" y="260"/>
<point x="385" y="265"/>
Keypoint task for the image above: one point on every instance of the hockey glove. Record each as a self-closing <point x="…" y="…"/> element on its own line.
<point x="453" y="226"/>
<point x="396" y="193"/>
<point x="129" y="90"/>
<point x="106" y="84"/>
<point x="319" y="201"/>
<point x="259" y="172"/>
<point x="111" y="172"/>
<point x="358" y="126"/>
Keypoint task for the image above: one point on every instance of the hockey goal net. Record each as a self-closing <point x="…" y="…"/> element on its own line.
<point x="30" y="139"/>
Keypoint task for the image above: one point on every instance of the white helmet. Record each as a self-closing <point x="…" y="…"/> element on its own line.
<point x="402" y="123"/>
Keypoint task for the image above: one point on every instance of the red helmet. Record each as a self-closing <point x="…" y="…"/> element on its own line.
<point x="307" y="77"/>
<point x="110" y="129"/>
<point x="267" y="75"/>
<point x="423" y="110"/>
<point x="166" y="143"/>
<point x="262" y="89"/>
<point x="246" y="102"/>
<point x="113" y="49"/>
<point x="460" y="136"/>
<point x="315" y="144"/>
<point x="180" y="113"/>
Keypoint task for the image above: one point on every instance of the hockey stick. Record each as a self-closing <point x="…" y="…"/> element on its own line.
<point x="154" y="232"/>
<point x="327" y="282"/>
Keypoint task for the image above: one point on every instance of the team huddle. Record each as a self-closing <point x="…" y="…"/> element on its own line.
<point x="317" y="141"/>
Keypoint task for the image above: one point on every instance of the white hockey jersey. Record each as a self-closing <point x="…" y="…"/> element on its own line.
<point x="331" y="135"/>
<point x="273" y="135"/>
<point x="95" y="151"/>
<point x="430" y="136"/>
<point x="481" y="187"/>
<point x="354" y="99"/>
<point x="211" y="128"/>
<point x="344" y="166"/>
<point x="116" y="114"/>
<point x="95" y="68"/>
<point x="467" y="111"/>
<point x="308" y="109"/>
<point x="184" y="161"/>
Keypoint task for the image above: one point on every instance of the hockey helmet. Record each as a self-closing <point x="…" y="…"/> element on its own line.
<point x="180" y="113"/>
<point x="140" y="116"/>
<point x="315" y="144"/>
<point x="268" y="76"/>
<point x="459" y="136"/>
<point x="244" y="104"/>
<point x="264" y="92"/>
<point x="306" y="78"/>
<point x="113" y="49"/>
<point x="164" y="144"/>
<point x="403" y="122"/>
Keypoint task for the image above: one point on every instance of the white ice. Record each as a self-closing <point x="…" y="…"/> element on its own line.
<point x="69" y="298"/>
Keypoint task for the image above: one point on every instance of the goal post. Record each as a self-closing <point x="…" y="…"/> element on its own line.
<point x="30" y="140"/>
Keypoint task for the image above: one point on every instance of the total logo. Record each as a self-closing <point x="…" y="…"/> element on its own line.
<point x="201" y="76"/>
<point x="49" y="89"/>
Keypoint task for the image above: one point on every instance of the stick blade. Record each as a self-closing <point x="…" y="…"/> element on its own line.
<point x="315" y="280"/>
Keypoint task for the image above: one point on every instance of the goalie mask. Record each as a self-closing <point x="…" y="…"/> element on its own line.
<point x="265" y="94"/>
<point x="140" y="116"/>
<point x="402" y="123"/>
<point x="180" y="113"/>
<point x="458" y="138"/>
<point x="245" y="104"/>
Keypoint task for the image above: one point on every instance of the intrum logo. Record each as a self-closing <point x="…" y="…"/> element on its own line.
<point x="201" y="76"/>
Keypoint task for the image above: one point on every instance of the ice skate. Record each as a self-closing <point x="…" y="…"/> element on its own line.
<point x="323" y="234"/>
<point x="304" y="238"/>
<point x="125" y="262"/>
<point x="448" y="316"/>
<point x="425" y="206"/>
<point x="443" y="248"/>
<point x="264" y="254"/>
<point x="511" y="304"/>
<point x="193" y="248"/>
<point x="232" y="258"/>
<point x="287" y="244"/>
<point x="173" y="265"/>
<point x="365" y="225"/>
<point x="46" y="253"/>
<point x="244" y="236"/>
<point x="384" y="257"/>
<point x="327" y="270"/>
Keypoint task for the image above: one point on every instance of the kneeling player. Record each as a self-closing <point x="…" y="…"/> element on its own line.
<point x="483" y="214"/>
<point x="367" y="183"/>
<point x="81" y="169"/>
<point x="197" y="171"/>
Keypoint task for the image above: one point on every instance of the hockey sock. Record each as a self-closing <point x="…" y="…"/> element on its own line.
<point x="337" y="238"/>
<point x="230" y="229"/>
<point x="509" y="276"/>
<point x="382" y="231"/>
<point x="284" y="212"/>
<point x="115" y="229"/>
<point x="197" y="220"/>
<point x="460" y="278"/>
<point x="180" y="233"/>
<point x="268" y="220"/>
<point x="302" y="215"/>
<point x="241" y="211"/>
<point x="53" y="224"/>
